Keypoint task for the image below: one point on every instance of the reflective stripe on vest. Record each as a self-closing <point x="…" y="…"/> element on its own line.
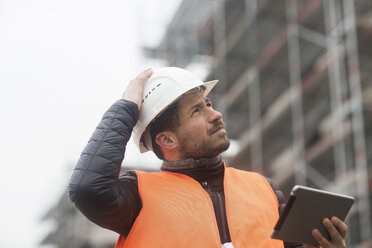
<point x="178" y="212"/>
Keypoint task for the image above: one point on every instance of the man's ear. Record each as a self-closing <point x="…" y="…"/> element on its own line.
<point x="166" y="140"/>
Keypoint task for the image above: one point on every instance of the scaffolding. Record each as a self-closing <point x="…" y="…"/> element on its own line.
<point x="292" y="89"/>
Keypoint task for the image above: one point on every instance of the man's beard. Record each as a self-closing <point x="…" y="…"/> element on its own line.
<point x="202" y="149"/>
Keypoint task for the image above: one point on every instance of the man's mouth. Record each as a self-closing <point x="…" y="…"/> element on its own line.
<point x="218" y="128"/>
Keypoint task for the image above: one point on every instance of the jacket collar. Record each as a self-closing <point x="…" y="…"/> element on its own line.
<point x="191" y="163"/>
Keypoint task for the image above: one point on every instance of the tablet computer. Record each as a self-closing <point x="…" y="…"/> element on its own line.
<point x="305" y="210"/>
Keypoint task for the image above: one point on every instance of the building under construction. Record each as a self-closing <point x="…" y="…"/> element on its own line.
<point x="295" y="89"/>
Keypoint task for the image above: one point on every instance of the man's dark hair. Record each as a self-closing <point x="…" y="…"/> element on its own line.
<point x="167" y="121"/>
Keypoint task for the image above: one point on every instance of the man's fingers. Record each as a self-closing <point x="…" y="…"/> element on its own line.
<point x="143" y="76"/>
<point x="337" y="230"/>
<point x="340" y="225"/>
<point x="134" y="90"/>
<point x="333" y="232"/>
<point x="322" y="241"/>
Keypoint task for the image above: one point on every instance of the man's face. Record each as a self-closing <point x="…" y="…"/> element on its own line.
<point x="201" y="133"/>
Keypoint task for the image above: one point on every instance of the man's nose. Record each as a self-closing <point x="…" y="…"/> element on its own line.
<point x="214" y="115"/>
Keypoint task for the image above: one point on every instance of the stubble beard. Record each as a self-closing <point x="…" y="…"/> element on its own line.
<point x="203" y="149"/>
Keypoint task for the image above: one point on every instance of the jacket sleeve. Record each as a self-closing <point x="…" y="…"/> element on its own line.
<point x="95" y="187"/>
<point x="281" y="199"/>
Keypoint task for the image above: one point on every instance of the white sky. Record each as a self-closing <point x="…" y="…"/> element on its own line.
<point x="62" y="64"/>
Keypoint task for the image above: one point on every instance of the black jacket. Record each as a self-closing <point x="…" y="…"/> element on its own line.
<point x="113" y="201"/>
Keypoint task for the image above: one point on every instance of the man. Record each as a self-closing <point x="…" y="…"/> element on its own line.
<point x="195" y="201"/>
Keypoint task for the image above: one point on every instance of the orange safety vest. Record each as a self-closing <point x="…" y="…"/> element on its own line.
<point x="178" y="212"/>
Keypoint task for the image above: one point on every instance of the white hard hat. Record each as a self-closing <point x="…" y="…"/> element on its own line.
<point x="163" y="87"/>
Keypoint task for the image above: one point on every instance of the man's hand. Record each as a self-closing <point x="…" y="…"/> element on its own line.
<point x="337" y="230"/>
<point x="134" y="90"/>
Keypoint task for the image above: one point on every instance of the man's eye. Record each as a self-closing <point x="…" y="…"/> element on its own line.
<point x="195" y="111"/>
<point x="209" y="104"/>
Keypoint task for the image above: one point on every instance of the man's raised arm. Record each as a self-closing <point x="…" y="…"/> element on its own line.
<point x="95" y="187"/>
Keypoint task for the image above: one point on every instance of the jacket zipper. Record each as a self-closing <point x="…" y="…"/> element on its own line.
<point x="220" y="213"/>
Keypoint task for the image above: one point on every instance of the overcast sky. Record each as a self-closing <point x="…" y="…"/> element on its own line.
<point x="62" y="64"/>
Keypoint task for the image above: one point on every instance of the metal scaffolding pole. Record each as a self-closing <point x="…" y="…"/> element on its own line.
<point x="337" y="94"/>
<point x="360" y="159"/>
<point x="192" y="42"/>
<point x="254" y="93"/>
<point x="296" y="93"/>
<point x="220" y="44"/>
<point x="336" y="86"/>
